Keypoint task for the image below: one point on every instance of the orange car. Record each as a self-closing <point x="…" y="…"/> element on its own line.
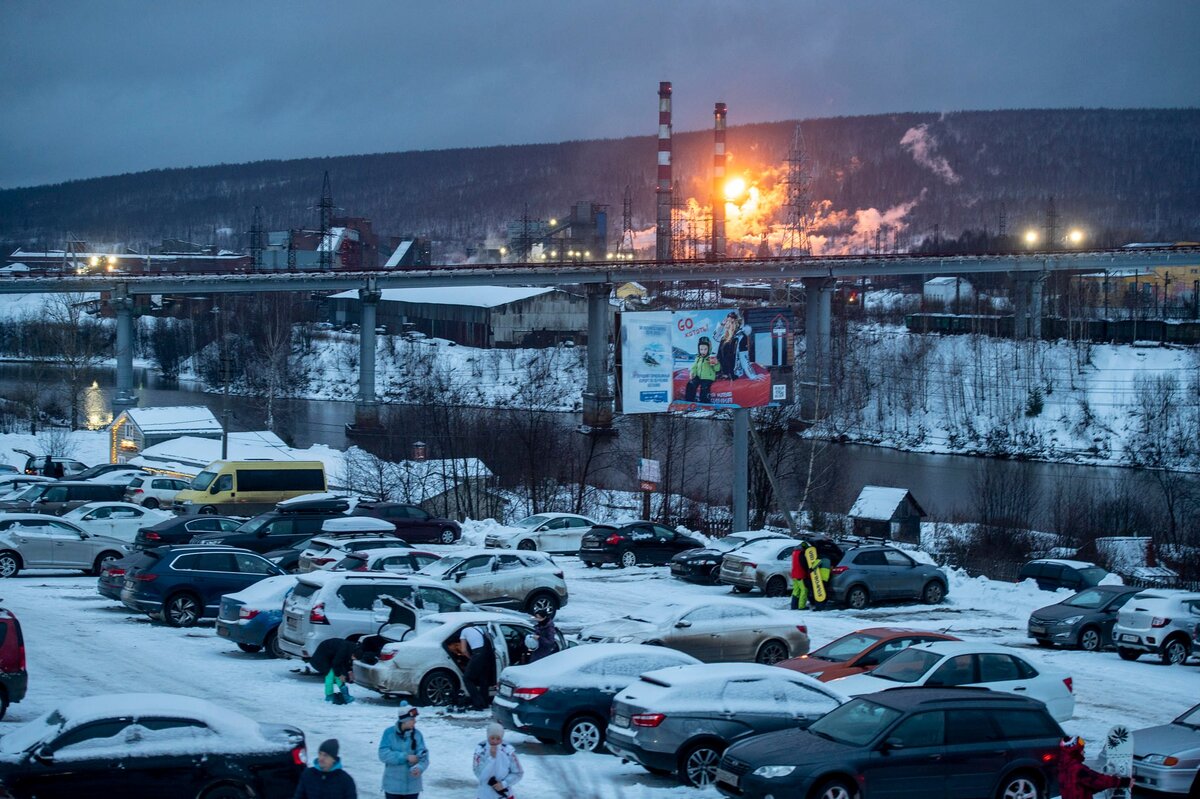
<point x="859" y="652"/>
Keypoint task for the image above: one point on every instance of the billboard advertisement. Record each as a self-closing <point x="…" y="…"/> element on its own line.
<point x="689" y="360"/>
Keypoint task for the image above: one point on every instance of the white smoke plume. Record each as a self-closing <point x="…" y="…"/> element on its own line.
<point x="923" y="145"/>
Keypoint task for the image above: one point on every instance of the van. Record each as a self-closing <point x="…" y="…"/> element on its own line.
<point x="247" y="488"/>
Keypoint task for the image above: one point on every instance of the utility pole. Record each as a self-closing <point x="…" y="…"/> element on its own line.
<point x="224" y="363"/>
<point x="647" y="421"/>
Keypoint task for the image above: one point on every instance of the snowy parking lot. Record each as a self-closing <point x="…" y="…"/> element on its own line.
<point x="80" y="644"/>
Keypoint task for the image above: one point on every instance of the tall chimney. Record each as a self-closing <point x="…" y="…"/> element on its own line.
<point x="718" y="196"/>
<point x="662" y="240"/>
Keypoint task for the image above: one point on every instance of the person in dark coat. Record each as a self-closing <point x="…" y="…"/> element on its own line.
<point x="1076" y="780"/>
<point x="480" y="672"/>
<point x="336" y="655"/>
<point x="326" y="779"/>
<point x="546" y="634"/>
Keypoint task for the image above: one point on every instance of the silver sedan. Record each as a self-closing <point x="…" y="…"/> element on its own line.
<point x="711" y="629"/>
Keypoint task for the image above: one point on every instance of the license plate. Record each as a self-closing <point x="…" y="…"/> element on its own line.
<point x="292" y="623"/>
<point x="1128" y="637"/>
<point x="727" y="777"/>
<point x="1038" y="630"/>
<point x="620" y="721"/>
<point x="223" y="631"/>
<point x="506" y="690"/>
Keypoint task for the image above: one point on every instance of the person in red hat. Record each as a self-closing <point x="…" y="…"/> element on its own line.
<point x="1076" y="780"/>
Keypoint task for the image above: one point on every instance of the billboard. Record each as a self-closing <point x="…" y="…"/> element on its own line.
<point x="689" y="360"/>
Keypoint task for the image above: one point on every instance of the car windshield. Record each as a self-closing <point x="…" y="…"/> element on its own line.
<point x="908" y="666"/>
<point x="663" y="613"/>
<point x="1190" y="719"/>
<point x="728" y="543"/>
<point x="32" y="493"/>
<point x="1093" y="575"/>
<point x="202" y="481"/>
<point x="845" y="647"/>
<point x="36" y="731"/>
<point x="530" y="522"/>
<point x="442" y="566"/>
<point x="854" y="723"/>
<point x="1089" y="599"/>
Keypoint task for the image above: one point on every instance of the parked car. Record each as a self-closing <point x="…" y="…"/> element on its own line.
<point x="61" y="496"/>
<point x="528" y="581"/>
<point x="103" y="469"/>
<point x="8" y="468"/>
<point x="13" y="484"/>
<point x="116" y="519"/>
<point x="36" y="464"/>
<point x="246" y="487"/>
<point x="143" y="745"/>
<point x="1157" y="622"/>
<point x="767" y="564"/>
<point x="710" y="629"/>
<point x="1051" y="574"/>
<point x="267" y="532"/>
<point x="250" y="618"/>
<point x="183" y="584"/>
<point x="679" y="720"/>
<point x="181" y="529"/>
<point x="879" y="573"/>
<point x="1084" y="620"/>
<point x="111" y="581"/>
<point x="421" y="666"/>
<point x="288" y="558"/>
<point x="1166" y="758"/>
<point x="386" y="559"/>
<point x="633" y="543"/>
<point x="342" y="605"/>
<point x="566" y="698"/>
<point x="35" y="541"/>
<point x="413" y="523"/>
<point x="154" y="491"/>
<point x="342" y="534"/>
<point x="949" y="664"/>
<point x="14" y="679"/>
<point x="859" y="652"/>
<point x="560" y="533"/>
<point x="904" y="743"/>
<point x="704" y="565"/>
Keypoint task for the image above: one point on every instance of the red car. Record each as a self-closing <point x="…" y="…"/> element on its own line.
<point x="13" y="678"/>
<point x="859" y="652"/>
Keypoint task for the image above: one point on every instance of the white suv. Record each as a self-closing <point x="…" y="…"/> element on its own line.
<point x="343" y="605"/>
<point x="1157" y="622"/>
<point x="154" y="492"/>
<point x="323" y="552"/>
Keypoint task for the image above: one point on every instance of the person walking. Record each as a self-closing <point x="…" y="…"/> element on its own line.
<point x="480" y="672"/>
<point x="404" y="755"/>
<point x="546" y="634"/>
<point x="799" y="577"/>
<point x="326" y="779"/>
<point x="1076" y="780"/>
<point x="496" y="766"/>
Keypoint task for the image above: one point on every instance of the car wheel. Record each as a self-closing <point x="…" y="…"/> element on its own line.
<point x="834" y="789"/>
<point x="591" y="564"/>
<point x="438" y="688"/>
<point x="151" y="503"/>
<point x="527" y="546"/>
<point x="10" y="564"/>
<point x="3" y="702"/>
<point x="228" y="792"/>
<point x="771" y="653"/>
<point x="1089" y="639"/>
<point x="933" y="593"/>
<point x="1175" y="652"/>
<point x="777" y="586"/>
<point x="250" y="648"/>
<point x="101" y="560"/>
<point x="628" y="559"/>
<point x="740" y="589"/>
<point x="698" y="764"/>
<point x="543" y="601"/>
<point x="1129" y="654"/>
<point x="447" y="536"/>
<point x="858" y="598"/>
<point x="208" y="510"/>
<point x="272" y="647"/>
<point x="584" y="734"/>
<point x="182" y="610"/>
<point x="1020" y="786"/>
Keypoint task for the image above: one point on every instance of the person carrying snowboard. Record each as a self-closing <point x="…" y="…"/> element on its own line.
<point x="1075" y="779"/>
<point x="799" y="578"/>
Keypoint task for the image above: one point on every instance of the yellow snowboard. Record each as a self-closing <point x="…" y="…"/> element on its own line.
<point x="818" y="584"/>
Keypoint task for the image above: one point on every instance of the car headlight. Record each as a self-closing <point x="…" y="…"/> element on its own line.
<point x="816" y="675"/>
<point x="624" y="639"/>
<point x="707" y="562"/>
<point x="773" y="771"/>
<point x="1072" y="620"/>
<point x="185" y="502"/>
<point x="1161" y="760"/>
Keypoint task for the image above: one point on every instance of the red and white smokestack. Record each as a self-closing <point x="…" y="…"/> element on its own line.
<point x="662" y="240"/>
<point x="718" y="197"/>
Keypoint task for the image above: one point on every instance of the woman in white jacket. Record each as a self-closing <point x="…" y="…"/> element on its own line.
<point x="496" y="766"/>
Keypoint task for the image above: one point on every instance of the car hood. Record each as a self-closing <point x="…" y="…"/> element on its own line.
<point x="1056" y="612"/>
<point x="699" y="554"/>
<point x="859" y="684"/>
<point x="617" y="628"/>
<point x="1165" y="739"/>
<point x="788" y="747"/>
<point x="810" y="665"/>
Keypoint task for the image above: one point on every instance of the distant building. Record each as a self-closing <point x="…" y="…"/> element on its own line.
<point x="949" y="290"/>
<point x="885" y="512"/>
<point x="136" y="429"/>
<point x="476" y="316"/>
<point x="350" y="243"/>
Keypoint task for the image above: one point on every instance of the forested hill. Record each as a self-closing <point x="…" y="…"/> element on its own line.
<point x="1124" y="174"/>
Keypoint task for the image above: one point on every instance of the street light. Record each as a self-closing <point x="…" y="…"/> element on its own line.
<point x="1075" y="236"/>
<point x="1031" y="237"/>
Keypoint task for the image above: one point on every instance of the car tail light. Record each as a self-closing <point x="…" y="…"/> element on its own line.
<point x="528" y="693"/>
<point x="386" y="656"/>
<point x="317" y="614"/>
<point x="1067" y="681"/>
<point x="299" y="756"/>
<point x="247" y="613"/>
<point x="1048" y="757"/>
<point x="838" y="570"/>
<point x="614" y="539"/>
<point x="802" y="628"/>
<point x="749" y="564"/>
<point x="152" y="536"/>
<point x="145" y="578"/>
<point x="113" y="571"/>
<point x="648" y="719"/>
<point x="320" y="561"/>
<point x="138" y="491"/>
<point x="361" y="568"/>
<point x="1159" y="621"/>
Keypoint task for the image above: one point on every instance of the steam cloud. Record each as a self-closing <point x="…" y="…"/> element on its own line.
<point x="922" y="144"/>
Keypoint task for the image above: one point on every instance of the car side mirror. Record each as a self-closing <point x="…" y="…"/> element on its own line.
<point x="43" y="754"/>
<point x="459" y="575"/>
<point x="891" y="745"/>
<point x="262" y="533"/>
<point x="867" y="662"/>
<point x="682" y="623"/>
<point x="213" y="489"/>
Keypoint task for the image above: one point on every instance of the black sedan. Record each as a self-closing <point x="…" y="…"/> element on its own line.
<point x="704" y="565"/>
<point x="633" y="543"/>
<point x="149" y="745"/>
<point x="112" y="577"/>
<point x="180" y="530"/>
<point x="1084" y="620"/>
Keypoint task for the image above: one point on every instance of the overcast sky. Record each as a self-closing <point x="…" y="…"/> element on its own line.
<point x="98" y="88"/>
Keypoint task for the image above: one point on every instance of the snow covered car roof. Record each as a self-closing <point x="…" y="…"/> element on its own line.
<point x="574" y="658"/>
<point x="357" y="524"/>
<point x="1074" y="564"/>
<point x="964" y="648"/>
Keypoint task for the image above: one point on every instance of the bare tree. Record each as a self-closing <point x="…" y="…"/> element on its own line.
<point x="79" y="343"/>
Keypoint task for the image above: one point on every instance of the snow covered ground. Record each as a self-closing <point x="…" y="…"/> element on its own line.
<point x="80" y="644"/>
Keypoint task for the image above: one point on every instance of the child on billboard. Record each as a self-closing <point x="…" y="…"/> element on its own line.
<point x="703" y="372"/>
